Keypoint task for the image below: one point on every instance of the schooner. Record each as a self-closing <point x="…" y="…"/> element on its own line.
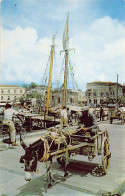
<point x="66" y="49"/>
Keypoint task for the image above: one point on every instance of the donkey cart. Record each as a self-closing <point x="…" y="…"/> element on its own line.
<point x="61" y="144"/>
<point x="87" y="145"/>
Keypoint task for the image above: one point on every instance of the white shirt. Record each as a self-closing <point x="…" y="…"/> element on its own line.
<point x="8" y="113"/>
<point x="122" y="109"/>
<point x="64" y="113"/>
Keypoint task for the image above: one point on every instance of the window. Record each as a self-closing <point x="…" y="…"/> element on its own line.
<point x="8" y="97"/>
<point x="14" y="97"/>
<point x="2" y="91"/>
<point x="94" y="93"/>
<point x="20" y="91"/>
<point x="89" y="100"/>
<point x="89" y="92"/>
<point x="101" y="93"/>
<point x="8" y="90"/>
<point x="1" y="97"/>
<point x="71" y="100"/>
<point x="14" y="90"/>
<point x="58" y="99"/>
<point x="107" y="94"/>
<point x="101" y="101"/>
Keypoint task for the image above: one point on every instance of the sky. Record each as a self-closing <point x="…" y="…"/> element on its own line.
<point x="96" y="32"/>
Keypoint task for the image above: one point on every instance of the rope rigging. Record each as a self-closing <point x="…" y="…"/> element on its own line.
<point x="73" y="76"/>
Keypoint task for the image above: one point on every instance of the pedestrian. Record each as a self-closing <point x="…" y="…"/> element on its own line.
<point x="64" y="117"/>
<point x="7" y="120"/>
<point x="101" y="113"/>
<point x="87" y="121"/>
<point x="68" y="115"/>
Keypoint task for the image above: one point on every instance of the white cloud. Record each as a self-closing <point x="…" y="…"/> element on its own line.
<point x="22" y="54"/>
<point x="79" y="1"/>
<point x="100" y="53"/>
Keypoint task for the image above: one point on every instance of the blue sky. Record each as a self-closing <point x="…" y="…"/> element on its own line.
<point x="96" y="32"/>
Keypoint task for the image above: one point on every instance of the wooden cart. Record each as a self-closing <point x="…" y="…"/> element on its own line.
<point x="87" y="145"/>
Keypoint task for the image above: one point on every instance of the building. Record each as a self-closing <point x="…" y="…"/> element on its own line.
<point x="74" y="97"/>
<point x="10" y="93"/>
<point x="57" y="97"/>
<point x="99" y="92"/>
<point x="123" y="89"/>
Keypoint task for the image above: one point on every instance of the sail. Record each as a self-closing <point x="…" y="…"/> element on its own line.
<point x="65" y="39"/>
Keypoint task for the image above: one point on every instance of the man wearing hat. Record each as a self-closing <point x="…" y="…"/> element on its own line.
<point x="8" y="114"/>
<point x="87" y="121"/>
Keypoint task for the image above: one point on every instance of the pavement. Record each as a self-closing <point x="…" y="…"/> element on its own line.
<point x="80" y="182"/>
<point x="40" y="132"/>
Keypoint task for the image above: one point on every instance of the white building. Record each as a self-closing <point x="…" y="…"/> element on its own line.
<point x="10" y="93"/>
<point x="97" y="92"/>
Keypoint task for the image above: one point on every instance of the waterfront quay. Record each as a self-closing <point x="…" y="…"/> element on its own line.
<point x="83" y="179"/>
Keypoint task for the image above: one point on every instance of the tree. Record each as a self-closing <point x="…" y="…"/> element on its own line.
<point x="32" y="85"/>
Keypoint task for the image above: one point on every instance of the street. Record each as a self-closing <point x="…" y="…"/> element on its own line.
<point x="81" y="179"/>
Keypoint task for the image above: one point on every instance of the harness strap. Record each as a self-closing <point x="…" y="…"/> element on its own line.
<point x="46" y="150"/>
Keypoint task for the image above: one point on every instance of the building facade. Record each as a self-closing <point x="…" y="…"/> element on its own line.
<point x="99" y="92"/>
<point x="10" y="93"/>
<point x="57" y="97"/>
<point x="74" y="97"/>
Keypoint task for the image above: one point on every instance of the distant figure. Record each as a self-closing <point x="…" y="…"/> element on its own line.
<point x="68" y="115"/>
<point x="8" y="115"/>
<point x="101" y="113"/>
<point x="87" y="121"/>
<point x="64" y="117"/>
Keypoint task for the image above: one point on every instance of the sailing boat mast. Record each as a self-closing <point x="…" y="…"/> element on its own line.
<point x="50" y="73"/>
<point x="65" y="42"/>
<point x="65" y="79"/>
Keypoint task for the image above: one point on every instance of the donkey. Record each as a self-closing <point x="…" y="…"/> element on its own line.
<point x="40" y="151"/>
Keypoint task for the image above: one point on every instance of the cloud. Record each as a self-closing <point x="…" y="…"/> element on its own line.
<point x="99" y="53"/>
<point x="22" y="54"/>
<point x="79" y="1"/>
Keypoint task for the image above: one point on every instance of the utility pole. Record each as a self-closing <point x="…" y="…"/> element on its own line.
<point x="117" y="90"/>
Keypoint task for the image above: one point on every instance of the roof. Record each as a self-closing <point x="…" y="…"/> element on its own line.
<point x="102" y="82"/>
<point x="4" y="85"/>
<point x="105" y="83"/>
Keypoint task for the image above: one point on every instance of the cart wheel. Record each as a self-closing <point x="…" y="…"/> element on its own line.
<point x="106" y="155"/>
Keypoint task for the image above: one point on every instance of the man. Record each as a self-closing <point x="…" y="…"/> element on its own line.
<point x="64" y="117"/>
<point x="101" y="113"/>
<point x="68" y="115"/>
<point x="8" y="115"/>
<point x="87" y="121"/>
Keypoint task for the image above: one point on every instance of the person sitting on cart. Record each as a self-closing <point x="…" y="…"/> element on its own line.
<point x="87" y="121"/>
<point x="8" y="115"/>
